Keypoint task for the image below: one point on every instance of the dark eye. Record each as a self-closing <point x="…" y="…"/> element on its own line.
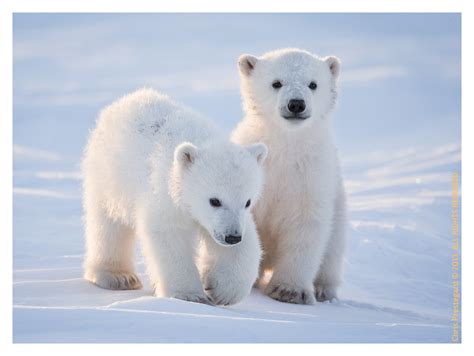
<point x="215" y="202"/>
<point x="277" y="84"/>
<point x="248" y="203"/>
<point x="312" y="86"/>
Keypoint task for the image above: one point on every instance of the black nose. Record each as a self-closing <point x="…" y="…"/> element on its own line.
<point x="296" y="106"/>
<point x="233" y="239"/>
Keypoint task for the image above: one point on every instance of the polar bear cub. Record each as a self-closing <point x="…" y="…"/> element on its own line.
<point x="156" y="170"/>
<point x="288" y="95"/>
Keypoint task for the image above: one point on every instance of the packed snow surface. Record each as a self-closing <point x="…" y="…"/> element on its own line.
<point x="397" y="281"/>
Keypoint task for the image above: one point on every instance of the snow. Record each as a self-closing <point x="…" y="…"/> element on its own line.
<point x="397" y="167"/>
<point x="397" y="287"/>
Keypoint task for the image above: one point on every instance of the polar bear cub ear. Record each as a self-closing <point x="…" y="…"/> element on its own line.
<point x="259" y="151"/>
<point x="185" y="154"/>
<point x="247" y="63"/>
<point x="334" y="64"/>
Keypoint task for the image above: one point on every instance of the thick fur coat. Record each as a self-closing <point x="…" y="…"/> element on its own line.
<point x="156" y="170"/>
<point x="288" y="96"/>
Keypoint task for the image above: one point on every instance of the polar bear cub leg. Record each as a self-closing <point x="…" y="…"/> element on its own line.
<point x="228" y="273"/>
<point x="329" y="276"/>
<point x="109" y="252"/>
<point x="296" y="264"/>
<point x="170" y="257"/>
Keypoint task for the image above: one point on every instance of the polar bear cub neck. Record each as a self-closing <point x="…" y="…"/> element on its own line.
<point x="288" y="96"/>
<point x="159" y="171"/>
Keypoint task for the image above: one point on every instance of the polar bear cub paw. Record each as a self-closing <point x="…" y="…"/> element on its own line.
<point x="195" y="297"/>
<point x="224" y="291"/>
<point x="114" y="280"/>
<point x="324" y="292"/>
<point x="290" y="294"/>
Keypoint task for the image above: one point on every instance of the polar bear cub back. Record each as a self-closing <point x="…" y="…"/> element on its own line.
<point x="159" y="171"/>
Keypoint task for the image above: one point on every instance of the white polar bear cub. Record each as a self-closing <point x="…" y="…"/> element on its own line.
<point x="159" y="171"/>
<point x="301" y="218"/>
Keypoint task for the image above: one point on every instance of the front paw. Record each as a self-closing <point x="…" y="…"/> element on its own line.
<point x="195" y="297"/>
<point x="225" y="291"/>
<point x="290" y="294"/>
<point x="114" y="280"/>
<point x="325" y="292"/>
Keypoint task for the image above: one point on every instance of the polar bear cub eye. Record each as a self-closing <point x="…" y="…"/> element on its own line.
<point x="312" y="85"/>
<point x="277" y="84"/>
<point x="216" y="203"/>
<point x="248" y="203"/>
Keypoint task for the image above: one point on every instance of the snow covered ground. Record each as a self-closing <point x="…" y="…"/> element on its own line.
<point x="398" y="285"/>
<point x="398" y="165"/>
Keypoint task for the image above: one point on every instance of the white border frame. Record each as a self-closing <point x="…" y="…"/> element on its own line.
<point x="8" y="7"/>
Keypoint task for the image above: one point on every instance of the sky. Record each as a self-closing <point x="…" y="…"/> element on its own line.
<point x="399" y="85"/>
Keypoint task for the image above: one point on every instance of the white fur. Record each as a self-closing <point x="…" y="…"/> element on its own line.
<point x="301" y="217"/>
<point x="150" y="169"/>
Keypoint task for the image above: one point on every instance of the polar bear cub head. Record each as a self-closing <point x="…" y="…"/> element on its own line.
<point x="218" y="184"/>
<point x="291" y="87"/>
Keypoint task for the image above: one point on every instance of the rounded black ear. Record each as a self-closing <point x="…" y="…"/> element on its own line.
<point x="247" y="63"/>
<point x="334" y="64"/>
<point x="259" y="151"/>
<point x="185" y="154"/>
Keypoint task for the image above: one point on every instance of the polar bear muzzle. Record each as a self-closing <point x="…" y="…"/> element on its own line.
<point x="295" y="110"/>
<point x="233" y="239"/>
